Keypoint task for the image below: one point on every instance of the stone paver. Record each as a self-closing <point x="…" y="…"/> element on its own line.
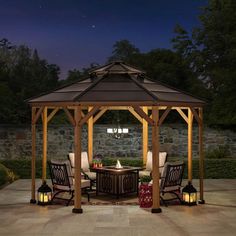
<point x="216" y="217"/>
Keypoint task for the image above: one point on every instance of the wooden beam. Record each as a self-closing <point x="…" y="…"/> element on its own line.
<point x="201" y="156"/>
<point x="90" y="137"/>
<point x="155" y="162"/>
<point x="135" y="114"/>
<point x="53" y="113"/>
<point x="190" y="144"/>
<point x="195" y="115"/>
<point x="182" y="114"/>
<point x="77" y="142"/>
<point x="37" y="115"/>
<point x="110" y="108"/>
<point x="82" y="114"/>
<point x="89" y="114"/>
<point x="143" y="115"/>
<point x="164" y="115"/>
<point x="45" y="130"/>
<point x="33" y="130"/>
<point x="145" y="137"/>
<point x="69" y="116"/>
<point x="99" y="114"/>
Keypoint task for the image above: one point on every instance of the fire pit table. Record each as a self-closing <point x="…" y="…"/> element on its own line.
<point x="117" y="181"/>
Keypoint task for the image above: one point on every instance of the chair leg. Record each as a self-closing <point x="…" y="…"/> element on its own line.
<point x="55" y="194"/>
<point x="163" y="201"/>
<point x="72" y="196"/>
<point x="180" y="200"/>
<point x="88" y="196"/>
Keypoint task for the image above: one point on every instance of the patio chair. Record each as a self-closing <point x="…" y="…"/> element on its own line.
<point x="148" y="170"/>
<point x="85" y="168"/>
<point x="171" y="180"/>
<point x="63" y="181"/>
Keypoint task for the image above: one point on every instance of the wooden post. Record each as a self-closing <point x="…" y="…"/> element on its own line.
<point x="90" y="137"/>
<point x="33" y="130"/>
<point x="77" y="140"/>
<point x="201" y="156"/>
<point x="145" y="137"/>
<point x="190" y="144"/>
<point x="155" y="162"/>
<point x="45" y="130"/>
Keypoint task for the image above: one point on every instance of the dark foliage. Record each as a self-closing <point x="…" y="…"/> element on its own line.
<point x="213" y="167"/>
<point x="22" y="75"/>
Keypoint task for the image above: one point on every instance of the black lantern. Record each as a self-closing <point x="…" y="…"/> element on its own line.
<point x="44" y="194"/>
<point x="189" y="195"/>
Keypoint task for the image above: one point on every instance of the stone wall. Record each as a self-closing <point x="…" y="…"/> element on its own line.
<point x="15" y="141"/>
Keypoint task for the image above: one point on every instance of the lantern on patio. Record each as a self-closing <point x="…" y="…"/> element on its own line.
<point x="44" y="194"/>
<point x="189" y="195"/>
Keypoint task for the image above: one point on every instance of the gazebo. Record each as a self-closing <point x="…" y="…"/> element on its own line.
<point x="117" y="86"/>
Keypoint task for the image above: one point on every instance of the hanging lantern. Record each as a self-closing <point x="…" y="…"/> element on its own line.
<point x="44" y="194"/>
<point x="189" y="195"/>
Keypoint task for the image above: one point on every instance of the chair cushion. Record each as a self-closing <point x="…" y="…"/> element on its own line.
<point x="85" y="183"/>
<point x="72" y="159"/>
<point x="91" y="175"/>
<point x="84" y="161"/>
<point x="149" y="161"/>
<point x="72" y="162"/>
<point x="162" y="160"/>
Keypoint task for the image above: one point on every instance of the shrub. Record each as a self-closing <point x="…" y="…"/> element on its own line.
<point x="22" y="167"/>
<point x="218" y="153"/>
<point x="3" y="174"/>
<point x="214" y="168"/>
<point x="145" y="179"/>
<point x="123" y="162"/>
<point x="6" y="175"/>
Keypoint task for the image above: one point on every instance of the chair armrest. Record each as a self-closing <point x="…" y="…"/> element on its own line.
<point x="84" y="174"/>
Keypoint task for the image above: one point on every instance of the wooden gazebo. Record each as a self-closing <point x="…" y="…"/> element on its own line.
<point x="117" y="86"/>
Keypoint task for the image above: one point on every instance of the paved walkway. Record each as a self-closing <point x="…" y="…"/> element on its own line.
<point x="216" y="217"/>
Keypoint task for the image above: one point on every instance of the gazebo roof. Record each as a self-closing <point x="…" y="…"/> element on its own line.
<point x="117" y="82"/>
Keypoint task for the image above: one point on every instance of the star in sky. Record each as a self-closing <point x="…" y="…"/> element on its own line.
<point x="64" y="27"/>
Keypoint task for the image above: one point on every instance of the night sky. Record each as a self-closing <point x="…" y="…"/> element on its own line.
<point x="74" y="33"/>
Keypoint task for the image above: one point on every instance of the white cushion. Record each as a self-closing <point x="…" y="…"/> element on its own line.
<point x="91" y="175"/>
<point x="149" y="161"/>
<point x="144" y="172"/>
<point x="72" y="162"/>
<point x="162" y="160"/>
<point x="85" y="183"/>
<point x="84" y="161"/>
<point x="72" y="159"/>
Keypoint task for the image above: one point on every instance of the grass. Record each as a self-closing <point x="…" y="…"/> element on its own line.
<point x="214" y="168"/>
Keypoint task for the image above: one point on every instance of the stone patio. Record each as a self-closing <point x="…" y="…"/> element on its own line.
<point x="216" y="217"/>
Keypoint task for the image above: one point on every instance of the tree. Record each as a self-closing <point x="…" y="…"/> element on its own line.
<point x="212" y="56"/>
<point x="73" y="75"/>
<point x="122" y="50"/>
<point x="22" y="75"/>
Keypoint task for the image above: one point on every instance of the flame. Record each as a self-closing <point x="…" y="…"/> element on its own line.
<point x="118" y="165"/>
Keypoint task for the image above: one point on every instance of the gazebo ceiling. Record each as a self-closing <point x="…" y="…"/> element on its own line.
<point x="117" y="82"/>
